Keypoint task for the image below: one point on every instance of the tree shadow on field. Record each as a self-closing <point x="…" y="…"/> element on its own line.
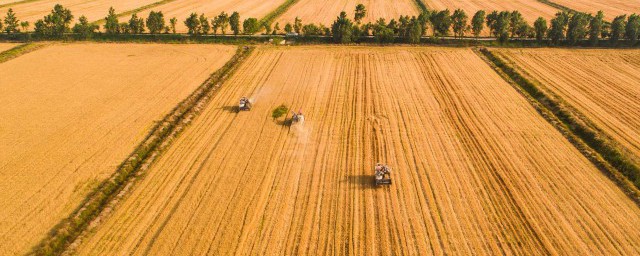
<point x="231" y="109"/>
<point x="287" y="122"/>
<point x="362" y="181"/>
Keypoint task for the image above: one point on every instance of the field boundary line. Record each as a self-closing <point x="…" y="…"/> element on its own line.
<point x="136" y="10"/>
<point x="585" y="139"/>
<point x="65" y="233"/>
<point x="422" y="6"/>
<point x="17" y="3"/>
<point x="19" y="50"/>
<point x="558" y="6"/>
<point x="273" y="15"/>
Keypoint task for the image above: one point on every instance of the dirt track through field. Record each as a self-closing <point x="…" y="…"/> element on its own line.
<point x="93" y="9"/>
<point x="476" y="169"/>
<point x="325" y="12"/>
<point x="181" y="9"/>
<point x="611" y="8"/>
<point x="72" y="113"/>
<point x="7" y="46"/>
<point x="530" y="9"/>
<point x="604" y="85"/>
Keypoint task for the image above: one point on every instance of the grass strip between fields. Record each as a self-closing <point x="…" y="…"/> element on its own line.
<point x="160" y="137"/>
<point x="137" y="10"/>
<point x="273" y="15"/>
<point x="558" y="6"/>
<point x="19" y="50"/>
<point x="588" y="141"/>
<point x="422" y="7"/>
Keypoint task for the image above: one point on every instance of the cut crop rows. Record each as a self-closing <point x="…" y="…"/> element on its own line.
<point x="476" y="169"/>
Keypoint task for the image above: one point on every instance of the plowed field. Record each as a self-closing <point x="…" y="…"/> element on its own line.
<point x="530" y="9"/>
<point x="92" y="9"/>
<point x="181" y="9"/>
<point x="325" y="12"/>
<point x="476" y="169"/>
<point x="71" y="113"/>
<point x="611" y="8"/>
<point x="604" y="85"/>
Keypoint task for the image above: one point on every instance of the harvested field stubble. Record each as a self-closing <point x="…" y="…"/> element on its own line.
<point x="183" y="8"/>
<point x="72" y="113"/>
<point x="93" y="9"/>
<point x="325" y="12"/>
<point x="476" y="169"/>
<point x="7" y="46"/>
<point x="611" y="8"/>
<point x="530" y="9"/>
<point x="603" y="85"/>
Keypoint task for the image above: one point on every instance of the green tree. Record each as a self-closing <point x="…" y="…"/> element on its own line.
<point x="617" y="29"/>
<point x="267" y="28"/>
<point x="155" y="22"/>
<point x="251" y="26"/>
<point x="223" y="22"/>
<point x="423" y="19"/>
<point x="577" y="27"/>
<point x="288" y="28"/>
<point x="276" y="28"/>
<point x="204" y="24"/>
<point x="541" y="28"/>
<point x="502" y="26"/>
<point x="415" y="31"/>
<point x="83" y="28"/>
<point x="56" y="23"/>
<point x="595" y="28"/>
<point x="558" y="27"/>
<point x="311" y="30"/>
<point x="632" y="30"/>
<point x="477" y="23"/>
<point x="460" y="20"/>
<point x="516" y="23"/>
<point x="492" y="18"/>
<point x="111" y="25"/>
<point x="382" y="33"/>
<point x="234" y="21"/>
<point x="25" y="26"/>
<point x="173" y="22"/>
<point x="342" y="29"/>
<point x="441" y="22"/>
<point x="297" y="25"/>
<point x="361" y="12"/>
<point x="193" y="24"/>
<point x="136" y="25"/>
<point x="11" y="22"/>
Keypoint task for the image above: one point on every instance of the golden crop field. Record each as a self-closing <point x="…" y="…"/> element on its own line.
<point x="325" y="12"/>
<point x="181" y="9"/>
<point x="72" y="113"/>
<point x="7" y="46"/>
<point x="604" y="85"/>
<point x="530" y="9"/>
<point x="476" y="170"/>
<point x="93" y="9"/>
<point x="611" y="8"/>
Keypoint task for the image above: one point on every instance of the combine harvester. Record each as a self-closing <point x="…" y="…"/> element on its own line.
<point x="245" y="104"/>
<point x="382" y="174"/>
<point x="297" y="117"/>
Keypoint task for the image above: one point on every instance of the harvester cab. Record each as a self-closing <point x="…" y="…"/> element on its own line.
<point x="245" y="104"/>
<point x="297" y="117"/>
<point x="382" y="174"/>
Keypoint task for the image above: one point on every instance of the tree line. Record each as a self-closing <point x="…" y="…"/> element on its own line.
<point x="571" y="27"/>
